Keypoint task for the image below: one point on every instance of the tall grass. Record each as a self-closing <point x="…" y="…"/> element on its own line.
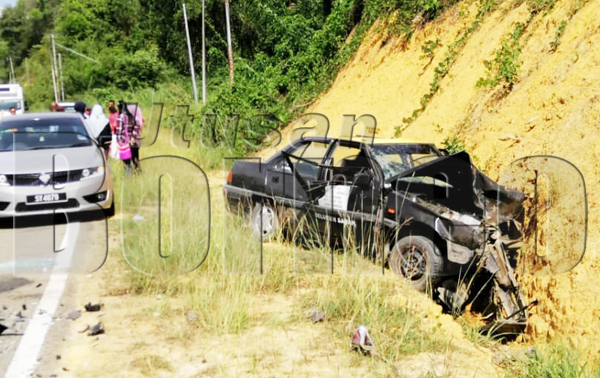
<point x="222" y="290"/>
<point x="555" y="361"/>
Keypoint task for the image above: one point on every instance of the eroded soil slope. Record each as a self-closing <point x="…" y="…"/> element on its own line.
<point x="552" y="109"/>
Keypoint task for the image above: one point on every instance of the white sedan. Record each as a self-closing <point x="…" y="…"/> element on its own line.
<point x="50" y="162"/>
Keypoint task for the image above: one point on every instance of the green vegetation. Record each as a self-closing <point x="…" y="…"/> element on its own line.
<point x="504" y="67"/>
<point x="285" y="53"/>
<point x="559" y="32"/>
<point x="454" y="145"/>
<point x="429" y="48"/>
<point x="444" y="66"/>
<point x="501" y="70"/>
<point x="563" y="24"/>
<point x="556" y="361"/>
<point x="537" y="6"/>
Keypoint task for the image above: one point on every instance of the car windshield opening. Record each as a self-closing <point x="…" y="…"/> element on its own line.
<point x="37" y="134"/>
<point x="396" y="158"/>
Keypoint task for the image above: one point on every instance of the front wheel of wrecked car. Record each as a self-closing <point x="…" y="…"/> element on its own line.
<point x="418" y="260"/>
<point x="264" y="221"/>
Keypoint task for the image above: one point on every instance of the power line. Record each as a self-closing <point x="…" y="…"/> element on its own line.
<point x="77" y="53"/>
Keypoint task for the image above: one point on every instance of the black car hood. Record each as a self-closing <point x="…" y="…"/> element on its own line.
<point x="453" y="181"/>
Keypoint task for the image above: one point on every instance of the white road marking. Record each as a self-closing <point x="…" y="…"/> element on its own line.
<point x="26" y="356"/>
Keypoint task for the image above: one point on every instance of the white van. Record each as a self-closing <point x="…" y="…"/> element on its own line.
<point x="11" y="95"/>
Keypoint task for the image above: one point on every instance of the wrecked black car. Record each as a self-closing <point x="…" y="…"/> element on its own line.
<point x="429" y="216"/>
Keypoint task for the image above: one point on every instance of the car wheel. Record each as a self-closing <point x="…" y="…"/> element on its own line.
<point x="264" y="221"/>
<point x="417" y="259"/>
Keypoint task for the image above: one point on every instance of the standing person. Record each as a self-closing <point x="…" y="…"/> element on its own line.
<point x="100" y="128"/>
<point x="124" y="135"/>
<point x="113" y="115"/>
<point x="138" y="123"/>
<point x="113" y="119"/>
<point x="80" y="108"/>
<point x="54" y="107"/>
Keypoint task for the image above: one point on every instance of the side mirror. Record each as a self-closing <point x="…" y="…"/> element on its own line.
<point x="26" y="106"/>
<point x="362" y="180"/>
<point x="445" y="152"/>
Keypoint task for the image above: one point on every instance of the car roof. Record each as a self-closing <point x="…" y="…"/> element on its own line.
<point x="375" y="141"/>
<point x="47" y="115"/>
<point x="369" y="140"/>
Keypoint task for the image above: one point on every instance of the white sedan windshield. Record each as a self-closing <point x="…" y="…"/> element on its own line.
<point x="26" y="135"/>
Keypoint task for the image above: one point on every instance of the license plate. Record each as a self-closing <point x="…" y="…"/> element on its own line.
<point x="47" y="198"/>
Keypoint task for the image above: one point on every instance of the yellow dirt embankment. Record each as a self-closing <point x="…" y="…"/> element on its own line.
<point x="553" y="109"/>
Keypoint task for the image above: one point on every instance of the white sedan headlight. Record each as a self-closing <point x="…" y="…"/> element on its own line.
<point x="89" y="173"/>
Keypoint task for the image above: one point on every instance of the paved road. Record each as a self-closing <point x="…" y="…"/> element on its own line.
<point x="39" y="267"/>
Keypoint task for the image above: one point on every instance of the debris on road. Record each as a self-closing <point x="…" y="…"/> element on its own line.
<point x="38" y="285"/>
<point x="191" y="316"/>
<point x="362" y="340"/>
<point x="74" y="315"/>
<point x="98" y="329"/>
<point x="316" y="315"/>
<point x="93" y="307"/>
<point x="24" y="307"/>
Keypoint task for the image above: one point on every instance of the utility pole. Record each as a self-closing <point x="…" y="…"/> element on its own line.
<point x="13" y="79"/>
<point x="54" y="83"/>
<point x="203" y="59"/>
<point x="229" y="50"/>
<point x="27" y="70"/>
<point x="189" y="45"/>
<point x="60" y="76"/>
<point x="54" y="70"/>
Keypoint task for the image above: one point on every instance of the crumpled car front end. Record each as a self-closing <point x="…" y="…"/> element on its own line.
<point x="478" y="223"/>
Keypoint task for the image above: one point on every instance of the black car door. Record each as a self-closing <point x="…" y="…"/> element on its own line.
<point x="293" y="172"/>
<point x="351" y="198"/>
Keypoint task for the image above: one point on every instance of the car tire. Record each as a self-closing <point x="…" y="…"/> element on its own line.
<point x="418" y="260"/>
<point x="264" y="221"/>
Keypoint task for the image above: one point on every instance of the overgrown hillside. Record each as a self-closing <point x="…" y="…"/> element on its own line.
<point x="506" y="80"/>
<point x="285" y="52"/>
